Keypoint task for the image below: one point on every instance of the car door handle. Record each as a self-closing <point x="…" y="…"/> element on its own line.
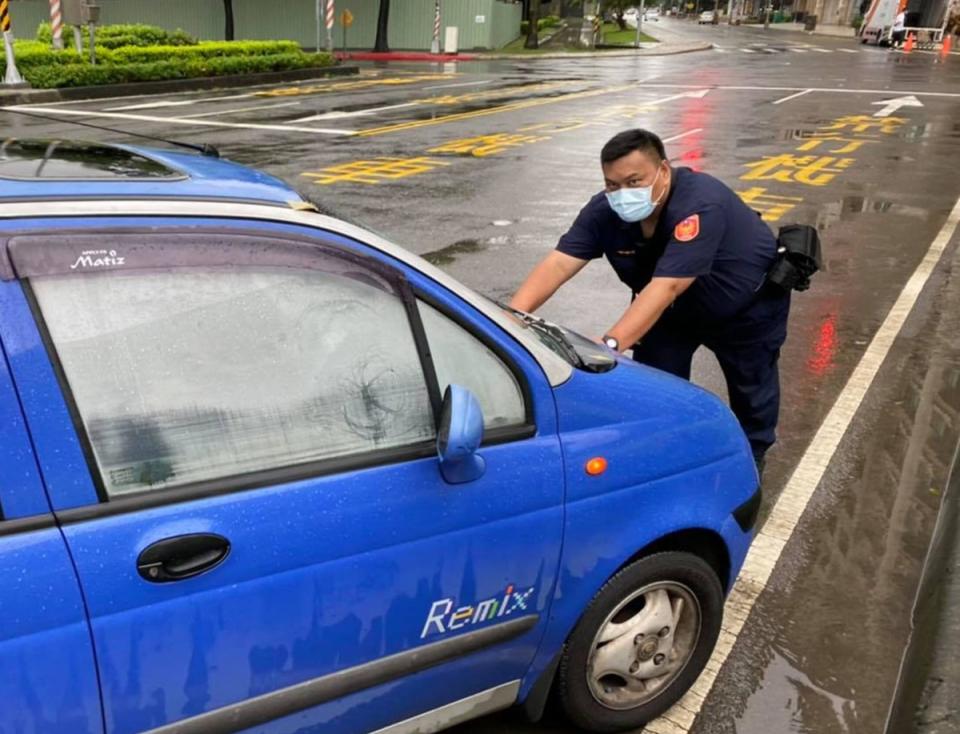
<point x="182" y="556"/>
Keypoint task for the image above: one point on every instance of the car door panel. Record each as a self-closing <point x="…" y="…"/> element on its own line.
<point x="325" y="573"/>
<point x="48" y="677"/>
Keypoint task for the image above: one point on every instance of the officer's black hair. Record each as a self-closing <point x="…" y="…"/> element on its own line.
<point x="628" y="141"/>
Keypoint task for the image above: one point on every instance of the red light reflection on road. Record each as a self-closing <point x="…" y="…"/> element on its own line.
<point x="694" y="115"/>
<point x="825" y="347"/>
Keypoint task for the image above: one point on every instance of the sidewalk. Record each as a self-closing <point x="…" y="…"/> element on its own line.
<point x="670" y="42"/>
<point x="647" y="49"/>
<point x="928" y="692"/>
<point x="837" y="31"/>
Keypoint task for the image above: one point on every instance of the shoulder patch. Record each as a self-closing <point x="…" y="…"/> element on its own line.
<point x="688" y="229"/>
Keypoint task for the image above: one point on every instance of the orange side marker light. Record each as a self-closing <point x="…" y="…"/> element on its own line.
<point x="596" y="466"/>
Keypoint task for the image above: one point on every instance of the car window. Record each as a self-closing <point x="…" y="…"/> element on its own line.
<point x="462" y="359"/>
<point x="190" y="375"/>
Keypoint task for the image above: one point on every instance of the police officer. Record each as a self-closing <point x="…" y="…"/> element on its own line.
<point x="695" y="258"/>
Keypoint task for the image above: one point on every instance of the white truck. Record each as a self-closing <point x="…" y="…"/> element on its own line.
<point x="878" y="22"/>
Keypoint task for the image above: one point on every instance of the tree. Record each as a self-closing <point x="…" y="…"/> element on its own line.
<point x="383" y="18"/>
<point x="228" y="32"/>
<point x="533" y="23"/>
<point x="618" y="7"/>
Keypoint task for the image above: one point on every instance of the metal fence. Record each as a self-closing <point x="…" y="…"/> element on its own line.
<point x="483" y="24"/>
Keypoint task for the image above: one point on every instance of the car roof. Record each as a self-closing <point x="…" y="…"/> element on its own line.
<point x="33" y="169"/>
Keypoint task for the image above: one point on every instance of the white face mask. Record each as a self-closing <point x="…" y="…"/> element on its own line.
<point x="632" y="205"/>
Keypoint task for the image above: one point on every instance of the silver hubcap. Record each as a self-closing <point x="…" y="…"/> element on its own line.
<point x="643" y="645"/>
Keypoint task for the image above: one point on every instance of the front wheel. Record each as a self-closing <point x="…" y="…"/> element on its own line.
<point x="642" y="642"/>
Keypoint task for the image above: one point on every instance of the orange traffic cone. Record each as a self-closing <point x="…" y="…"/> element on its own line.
<point x="946" y="45"/>
<point x="908" y="46"/>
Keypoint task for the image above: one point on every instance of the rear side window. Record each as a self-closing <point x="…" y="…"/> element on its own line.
<point x="189" y="375"/>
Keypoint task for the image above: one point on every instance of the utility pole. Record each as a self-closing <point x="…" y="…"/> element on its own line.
<point x="331" y="15"/>
<point x="435" y="43"/>
<point x="12" y="76"/>
<point x="639" y="23"/>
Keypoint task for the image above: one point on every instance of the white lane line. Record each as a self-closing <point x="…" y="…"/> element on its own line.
<point x="748" y="50"/>
<point x="235" y="110"/>
<point x="821" y="50"/>
<point x="793" y="96"/>
<point x="683" y="135"/>
<point x="460" y="84"/>
<point x="738" y="88"/>
<point x="799" y="50"/>
<point x="790" y="505"/>
<point x="182" y="121"/>
<point x="847" y="50"/>
<point x="336" y="115"/>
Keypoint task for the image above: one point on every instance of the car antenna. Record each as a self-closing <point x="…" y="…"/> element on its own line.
<point x="204" y="149"/>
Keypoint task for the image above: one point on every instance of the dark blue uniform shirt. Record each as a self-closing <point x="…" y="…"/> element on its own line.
<point x="704" y="231"/>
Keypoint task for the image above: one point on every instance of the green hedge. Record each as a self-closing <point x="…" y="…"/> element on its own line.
<point x="81" y="75"/>
<point x="35" y="53"/>
<point x="118" y="36"/>
<point x="549" y="21"/>
<point x="135" y="53"/>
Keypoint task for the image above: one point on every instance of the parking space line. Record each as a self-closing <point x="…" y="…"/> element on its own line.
<point x="793" y="96"/>
<point x="683" y="135"/>
<point x="150" y="105"/>
<point x="785" y="516"/>
<point x="338" y="115"/>
<point x="235" y="110"/>
<point x="175" y="103"/>
<point x="183" y="121"/>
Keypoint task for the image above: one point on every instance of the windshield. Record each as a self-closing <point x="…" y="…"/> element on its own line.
<point x="576" y="349"/>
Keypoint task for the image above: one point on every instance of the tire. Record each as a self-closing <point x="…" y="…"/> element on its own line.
<point x="626" y="620"/>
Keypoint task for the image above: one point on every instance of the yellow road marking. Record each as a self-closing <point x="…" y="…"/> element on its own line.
<point x="374" y="170"/>
<point x="350" y="85"/>
<point x="510" y="107"/>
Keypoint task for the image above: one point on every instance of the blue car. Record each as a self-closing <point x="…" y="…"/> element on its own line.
<point x="262" y="470"/>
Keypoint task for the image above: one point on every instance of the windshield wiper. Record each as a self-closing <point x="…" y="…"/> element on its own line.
<point x="566" y="346"/>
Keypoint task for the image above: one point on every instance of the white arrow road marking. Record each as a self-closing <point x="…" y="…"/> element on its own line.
<point x="892" y="105"/>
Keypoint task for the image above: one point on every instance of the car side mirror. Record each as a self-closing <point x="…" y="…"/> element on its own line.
<point x="459" y="436"/>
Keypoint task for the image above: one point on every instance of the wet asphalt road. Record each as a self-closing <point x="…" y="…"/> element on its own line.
<point x="483" y="165"/>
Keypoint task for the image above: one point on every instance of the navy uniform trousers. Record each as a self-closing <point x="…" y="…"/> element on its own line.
<point x="747" y="346"/>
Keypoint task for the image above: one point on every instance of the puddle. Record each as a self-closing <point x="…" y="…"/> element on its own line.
<point x="447" y="255"/>
<point x="850" y="207"/>
<point x="795" y="704"/>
